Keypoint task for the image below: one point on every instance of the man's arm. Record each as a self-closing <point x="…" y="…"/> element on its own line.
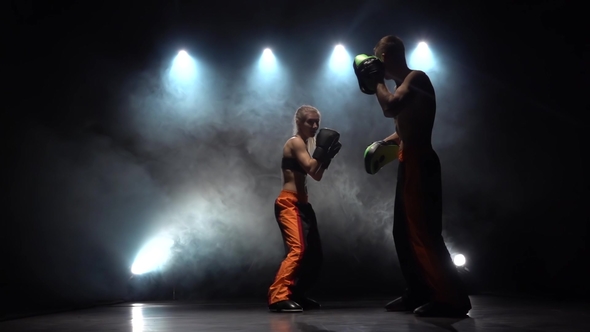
<point x="309" y="164"/>
<point x="392" y="103"/>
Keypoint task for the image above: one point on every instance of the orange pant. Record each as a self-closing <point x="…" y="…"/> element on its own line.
<point x="301" y="266"/>
<point x="424" y="259"/>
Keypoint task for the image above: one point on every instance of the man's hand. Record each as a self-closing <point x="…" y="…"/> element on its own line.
<point x="385" y="142"/>
<point x="394" y="138"/>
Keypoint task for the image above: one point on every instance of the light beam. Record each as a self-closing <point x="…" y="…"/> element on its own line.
<point x="184" y="68"/>
<point x="267" y="62"/>
<point x="340" y="61"/>
<point x="153" y="255"/>
<point x="422" y="58"/>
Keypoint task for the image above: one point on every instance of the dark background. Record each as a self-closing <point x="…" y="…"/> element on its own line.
<point x="511" y="136"/>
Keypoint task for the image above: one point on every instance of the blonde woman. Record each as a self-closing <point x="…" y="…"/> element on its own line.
<point x="303" y="155"/>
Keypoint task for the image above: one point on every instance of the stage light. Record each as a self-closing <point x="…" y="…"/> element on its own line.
<point x="422" y="58"/>
<point x="459" y="260"/>
<point x="183" y="68"/>
<point x="183" y="55"/>
<point x="340" y="60"/>
<point x="152" y="256"/>
<point x="267" y="61"/>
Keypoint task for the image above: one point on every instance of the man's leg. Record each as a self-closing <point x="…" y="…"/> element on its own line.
<point x="417" y="292"/>
<point x="423" y="204"/>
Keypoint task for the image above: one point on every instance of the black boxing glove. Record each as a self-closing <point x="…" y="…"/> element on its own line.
<point x="369" y="71"/>
<point x="334" y="149"/>
<point x="326" y="146"/>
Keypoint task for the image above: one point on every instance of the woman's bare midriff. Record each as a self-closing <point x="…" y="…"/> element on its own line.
<point x="294" y="181"/>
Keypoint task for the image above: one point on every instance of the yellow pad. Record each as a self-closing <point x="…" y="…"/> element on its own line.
<point x="378" y="155"/>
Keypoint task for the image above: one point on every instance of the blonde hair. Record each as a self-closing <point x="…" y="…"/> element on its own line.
<point x="300" y="115"/>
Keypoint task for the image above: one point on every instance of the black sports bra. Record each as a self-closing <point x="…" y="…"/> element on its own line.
<point x="292" y="164"/>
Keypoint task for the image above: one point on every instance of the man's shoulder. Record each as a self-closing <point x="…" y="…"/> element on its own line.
<point x="418" y="76"/>
<point x="420" y="80"/>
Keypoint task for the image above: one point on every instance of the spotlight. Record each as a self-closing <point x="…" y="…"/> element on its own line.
<point x="267" y="61"/>
<point x="183" y="68"/>
<point x="422" y="58"/>
<point x="340" y="60"/>
<point x="459" y="260"/>
<point x="183" y="58"/>
<point x="423" y="50"/>
<point x="152" y="256"/>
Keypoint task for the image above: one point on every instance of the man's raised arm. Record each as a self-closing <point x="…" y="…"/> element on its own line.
<point x="392" y="103"/>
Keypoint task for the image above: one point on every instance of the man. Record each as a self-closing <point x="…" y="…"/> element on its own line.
<point x="433" y="284"/>
<point x="295" y="215"/>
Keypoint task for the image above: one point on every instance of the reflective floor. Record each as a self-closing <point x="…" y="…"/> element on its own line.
<point x="488" y="314"/>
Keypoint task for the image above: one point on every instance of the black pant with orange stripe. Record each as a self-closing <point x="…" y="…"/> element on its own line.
<point x="424" y="259"/>
<point x="301" y="266"/>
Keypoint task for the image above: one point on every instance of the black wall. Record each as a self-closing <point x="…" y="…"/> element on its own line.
<point x="525" y="184"/>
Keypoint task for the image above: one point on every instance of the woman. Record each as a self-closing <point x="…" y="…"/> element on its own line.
<point x="296" y="217"/>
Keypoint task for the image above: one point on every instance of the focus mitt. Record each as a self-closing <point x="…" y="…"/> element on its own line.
<point x="379" y="154"/>
<point x="369" y="71"/>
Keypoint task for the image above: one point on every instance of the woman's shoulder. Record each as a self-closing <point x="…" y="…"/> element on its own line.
<point x="293" y="143"/>
<point x="294" y="140"/>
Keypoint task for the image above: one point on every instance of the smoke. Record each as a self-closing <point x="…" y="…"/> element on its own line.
<point x="198" y="159"/>
<point x="217" y="156"/>
<point x="199" y="162"/>
<point x="84" y="205"/>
